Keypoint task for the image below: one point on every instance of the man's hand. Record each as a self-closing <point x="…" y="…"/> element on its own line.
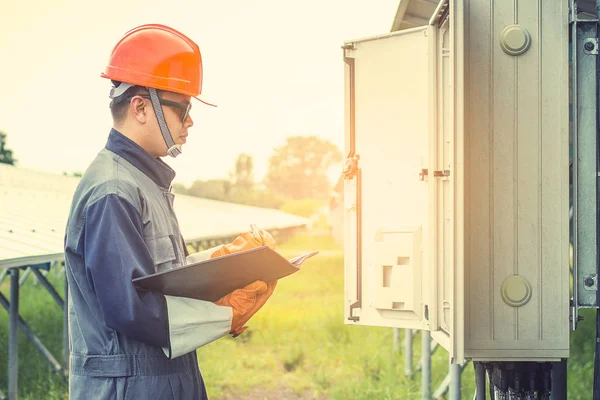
<point x="246" y="302"/>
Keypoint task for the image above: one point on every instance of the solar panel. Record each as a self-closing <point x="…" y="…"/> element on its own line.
<point x="34" y="207"/>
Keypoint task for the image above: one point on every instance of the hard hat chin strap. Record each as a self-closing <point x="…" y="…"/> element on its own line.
<point x="173" y="149"/>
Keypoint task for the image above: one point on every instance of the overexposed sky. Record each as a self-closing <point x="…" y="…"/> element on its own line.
<point x="274" y="67"/>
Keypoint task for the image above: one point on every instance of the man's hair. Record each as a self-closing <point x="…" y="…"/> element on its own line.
<point x="119" y="105"/>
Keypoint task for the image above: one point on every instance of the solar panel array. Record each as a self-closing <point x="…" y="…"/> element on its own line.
<point x="34" y="207"/>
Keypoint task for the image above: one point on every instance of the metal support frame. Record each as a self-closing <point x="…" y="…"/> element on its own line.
<point x="16" y="322"/>
<point x="451" y="383"/>
<point x="559" y="380"/>
<point x="31" y="336"/>
<point x="480" y="375"/>
<point x="432" y="349"/>
<point x="426" y="365"/>
<point x="66" y="326"/>
<point x="3" y="275"/>
<point x="13" y="335"/>
<point x="25" y="276"/>
<point x="584" y="54"/>
<point x="48" y="286"/>
<point x="408" y="352"/>
<point x="455" y="373"/>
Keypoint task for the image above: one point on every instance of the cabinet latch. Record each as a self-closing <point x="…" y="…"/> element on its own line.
<point x="351" y="166"/>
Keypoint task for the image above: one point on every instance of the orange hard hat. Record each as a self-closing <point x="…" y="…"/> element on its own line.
<point x="157" y="56"/>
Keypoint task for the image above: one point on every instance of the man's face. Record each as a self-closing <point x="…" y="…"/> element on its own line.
<point x="177" y="115"/>
<point x="176" y="112"/>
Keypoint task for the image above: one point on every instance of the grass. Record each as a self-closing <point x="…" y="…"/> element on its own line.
<point x="298" y="341"/>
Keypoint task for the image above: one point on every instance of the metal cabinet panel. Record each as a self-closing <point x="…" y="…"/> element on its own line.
<point x="456" y="192"/>
<point x="388" y="97"/>
<point x="516" y="225"/>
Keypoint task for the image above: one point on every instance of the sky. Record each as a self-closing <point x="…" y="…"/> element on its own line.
<point x="273" y="67"/>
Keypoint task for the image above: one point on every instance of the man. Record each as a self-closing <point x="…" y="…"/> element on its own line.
<point x="127" y="343"/>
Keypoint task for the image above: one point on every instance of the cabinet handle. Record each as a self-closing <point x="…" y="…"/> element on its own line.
<point x="440" y="174"/>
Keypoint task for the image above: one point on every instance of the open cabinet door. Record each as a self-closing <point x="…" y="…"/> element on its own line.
<point x="389" y="128"/>
<point x="404" y="180"/>
<point x="447" y="192"/>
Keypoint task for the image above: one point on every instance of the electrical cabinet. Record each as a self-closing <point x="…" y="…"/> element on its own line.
<point x="456" y="181"/>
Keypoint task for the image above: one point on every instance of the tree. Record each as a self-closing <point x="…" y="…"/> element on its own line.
<point x="76" y="174"/>
<point x="243" y="175"/>
<point x="6" y="155"/>
<point x="179" y="188"/>
<point x="215" y="189"/>
<point x="299" y="168"/>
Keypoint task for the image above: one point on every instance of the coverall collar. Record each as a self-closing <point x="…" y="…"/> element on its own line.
<point x="154" y="168"/>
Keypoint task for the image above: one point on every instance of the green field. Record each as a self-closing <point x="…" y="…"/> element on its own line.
<point x="296" y="347"/>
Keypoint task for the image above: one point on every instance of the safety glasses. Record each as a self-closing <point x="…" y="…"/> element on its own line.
<point x="183" y="109"/>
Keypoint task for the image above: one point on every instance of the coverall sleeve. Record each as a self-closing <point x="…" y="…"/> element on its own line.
<point x="115" y="253"/>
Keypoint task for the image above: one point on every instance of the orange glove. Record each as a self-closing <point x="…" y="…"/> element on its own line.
<point x="246" y="302"/>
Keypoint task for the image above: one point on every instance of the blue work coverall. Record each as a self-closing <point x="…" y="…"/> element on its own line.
<point x="125" y="343"/>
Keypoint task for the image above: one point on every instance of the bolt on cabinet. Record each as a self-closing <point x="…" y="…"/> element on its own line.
<point x="456" y="180"/>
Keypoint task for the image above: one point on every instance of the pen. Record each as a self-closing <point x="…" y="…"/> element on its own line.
<point x="255" y="231"/>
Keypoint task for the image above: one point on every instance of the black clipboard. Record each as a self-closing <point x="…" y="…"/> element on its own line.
<point x="212" y="279"/>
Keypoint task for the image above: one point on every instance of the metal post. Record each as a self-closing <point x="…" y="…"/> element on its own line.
<point x="396" y="332"/>
<point x="432" y="349"/>
<point x="66" y="327"/>
<point x="479" y="381"/>
<point x="455" y="371"/>
<point x="559" y="380"/>
<point x="585" y="180"/>
<point x="408" y="352"/>
<point x="426" y="365"/>
<point x="13" y="342"/>
<point x="596" y="390"/>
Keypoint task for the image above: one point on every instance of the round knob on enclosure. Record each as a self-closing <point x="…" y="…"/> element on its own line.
<point x="515" y="40"/>
<point x="515" y="291"/>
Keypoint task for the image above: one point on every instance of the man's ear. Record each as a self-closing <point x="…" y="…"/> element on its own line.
<point x="138" y="108"/>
